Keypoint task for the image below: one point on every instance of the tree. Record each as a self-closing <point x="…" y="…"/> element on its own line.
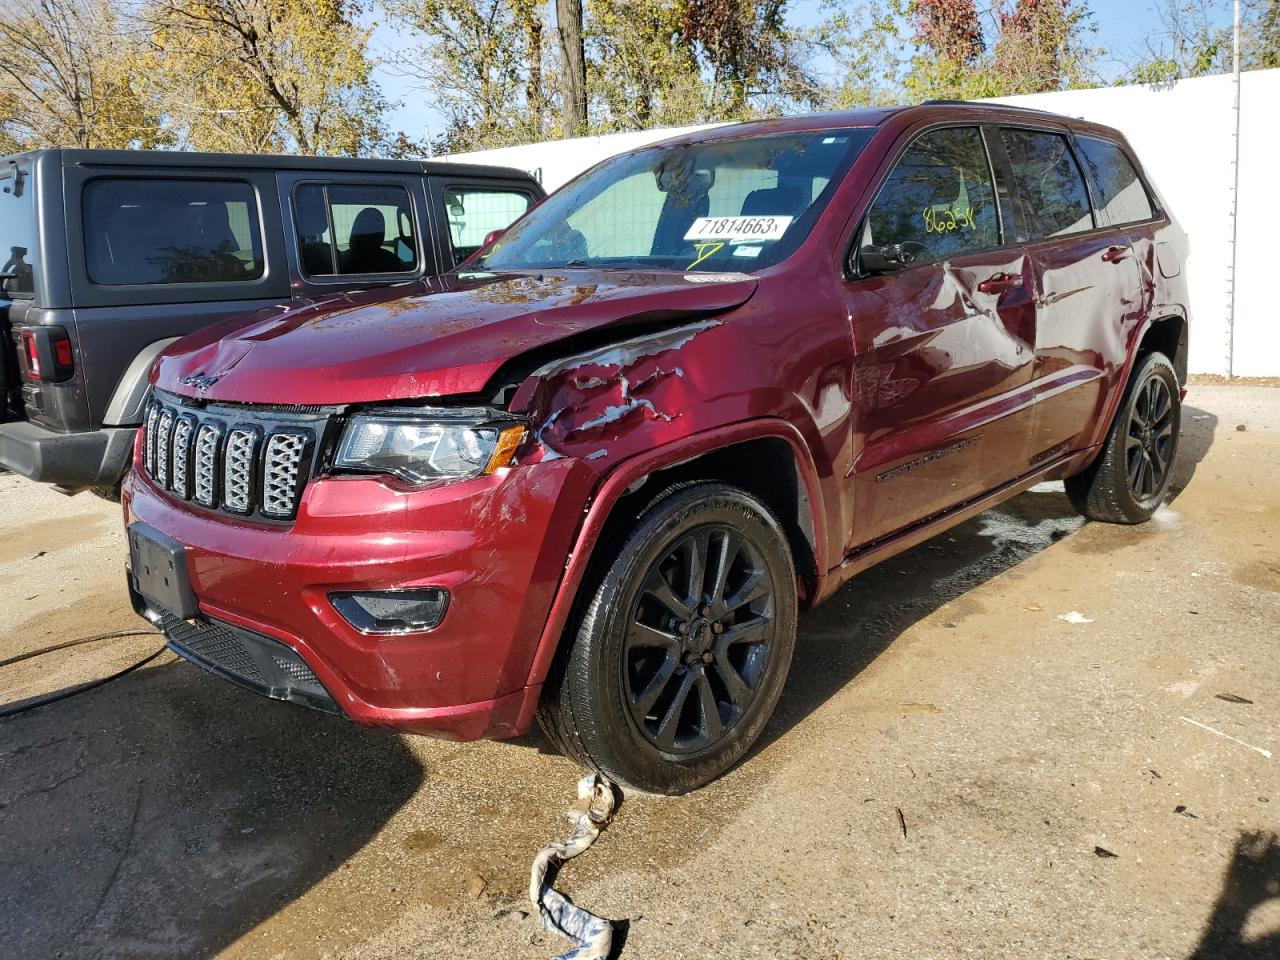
<point x="481" y="60"/>
<point x="266" y="75"/>
<point x="1196" y="40"/>
<point x="68" y="70"/>
<point x="573" y="67"/>
<point x="1040" y="45"/>
<point x="747" y="50"/>
<point x="949" y="28"/>
<point x="640" y="71"/>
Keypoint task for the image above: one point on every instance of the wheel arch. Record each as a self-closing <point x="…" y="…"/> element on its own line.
<point x="125" y="407"/>
<point x="1165" y="334"/>
<point x="768" y="458"/>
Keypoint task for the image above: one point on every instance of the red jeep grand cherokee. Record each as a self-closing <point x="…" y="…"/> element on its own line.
<point x="591" y="476"/>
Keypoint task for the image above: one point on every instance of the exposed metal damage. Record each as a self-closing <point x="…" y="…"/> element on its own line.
<point x="600" y="394"/>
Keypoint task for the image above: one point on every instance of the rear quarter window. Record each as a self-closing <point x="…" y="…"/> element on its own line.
<point x="1121" y="194"/>
<point x="17" y="235"/>
<point x="159" y="231"/>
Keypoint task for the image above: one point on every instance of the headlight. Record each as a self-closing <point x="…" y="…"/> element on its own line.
<point x="430" y="445"/>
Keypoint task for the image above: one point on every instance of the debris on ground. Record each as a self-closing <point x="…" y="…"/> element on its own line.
<point x="902" y="822"/>
<point x="1074" y="616"/>
<point x="1232" y="698"/>
<point x="593" y="935"/>
<point x="474" y="885"/>
<point x="1240" y="428"/>
<point x="1033" y="607"/>
<point x="1105" y="853"/>
<point x="1226" y="736"/>
<point x="1182" y="809"/>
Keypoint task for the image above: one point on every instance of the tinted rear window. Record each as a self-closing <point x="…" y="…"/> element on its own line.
<point x="1055" y="202"/>
<point x="149" y="231"/>
<point x="1121" y="194"/>
<point x="17" y="235"/>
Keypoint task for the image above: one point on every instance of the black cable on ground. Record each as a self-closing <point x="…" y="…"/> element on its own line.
<point x="75" y="643"/>
<point x="28" y="705"/>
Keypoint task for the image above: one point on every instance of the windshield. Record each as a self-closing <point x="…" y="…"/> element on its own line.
<point x="17" y="233"/>
<point x="723" y="205"/>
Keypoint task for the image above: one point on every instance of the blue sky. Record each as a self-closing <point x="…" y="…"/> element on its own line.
<point x="1122" y="26"/>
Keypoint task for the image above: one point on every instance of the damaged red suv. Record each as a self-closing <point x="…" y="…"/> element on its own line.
<point x="591" y="476"/>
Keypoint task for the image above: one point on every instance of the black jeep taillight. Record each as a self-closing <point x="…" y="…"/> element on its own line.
<point x="48" y="356"/>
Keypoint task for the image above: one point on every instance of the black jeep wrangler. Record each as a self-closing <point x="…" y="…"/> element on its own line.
<point x="107" y="257"/>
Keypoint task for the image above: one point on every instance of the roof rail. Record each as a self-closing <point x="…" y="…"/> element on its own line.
<point x="980" y="103"/>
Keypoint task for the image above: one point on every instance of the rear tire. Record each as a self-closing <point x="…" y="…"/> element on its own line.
<point x="679" y="657"/>
<point x="1130" y="477"/>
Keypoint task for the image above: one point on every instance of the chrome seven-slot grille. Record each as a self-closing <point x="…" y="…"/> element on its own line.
<point x="224" y="458"/>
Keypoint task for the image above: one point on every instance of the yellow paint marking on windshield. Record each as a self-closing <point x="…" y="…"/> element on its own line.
<point x="705" y="249"/>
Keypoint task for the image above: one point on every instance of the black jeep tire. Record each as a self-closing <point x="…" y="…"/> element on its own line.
<point x="680" y="654"/>
<point x="1130" y="477"/>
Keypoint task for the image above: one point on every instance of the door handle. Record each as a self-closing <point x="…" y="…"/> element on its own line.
<point x="1000" y="283"/>
<point x="1115" y="254"/>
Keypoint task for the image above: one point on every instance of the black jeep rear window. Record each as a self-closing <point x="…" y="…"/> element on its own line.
<point x="17" y="234"/>
<point x="149" y="231"/>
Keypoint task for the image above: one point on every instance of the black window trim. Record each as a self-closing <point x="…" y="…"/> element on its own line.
<point x="488" y="185"/>
<point x="851" y="247"/>
<point x="200" y="176"/>
<point x="1158" y="213"/>
<point x="419" y="266"/>
<point x="13" y="171"/>
<point x="1069" y="135"/>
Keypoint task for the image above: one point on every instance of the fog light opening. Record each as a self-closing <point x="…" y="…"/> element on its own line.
<point x="392" y="611"/>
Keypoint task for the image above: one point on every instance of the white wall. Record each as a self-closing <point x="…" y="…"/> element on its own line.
<point x="1182" y="132"/>
<point x="556" y="162"/>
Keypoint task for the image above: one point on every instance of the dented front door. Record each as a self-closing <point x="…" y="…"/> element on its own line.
<point x="943" y="347"/>
<point x="942" y="373"/>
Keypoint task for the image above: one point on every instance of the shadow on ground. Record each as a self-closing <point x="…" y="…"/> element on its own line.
<point x="166" y="814"/>
<point x="843" y="636"/>
<point x="1252" y="880"/>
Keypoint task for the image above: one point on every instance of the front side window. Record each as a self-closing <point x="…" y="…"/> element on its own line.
<point x="720" y="205"/>
<point x="17" y="236"/>
<point x="1054" y="200"/>
<point x="938" y="201"/>
<point x="153" y="231"/>
<point x="475" y="212"/>
<point x="1121" y="193"/>
<point x="354" y="229"/>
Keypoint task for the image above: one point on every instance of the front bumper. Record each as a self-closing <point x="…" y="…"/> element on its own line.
<point x="498" y="544"/>
<point x="92" y="458"/>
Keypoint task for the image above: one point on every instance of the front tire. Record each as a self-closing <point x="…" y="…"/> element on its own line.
<point x="681" y="654"/>
<point x="1129" y="479"/>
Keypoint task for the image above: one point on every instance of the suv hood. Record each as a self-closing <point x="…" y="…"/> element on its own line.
<point x="444" y="336"/>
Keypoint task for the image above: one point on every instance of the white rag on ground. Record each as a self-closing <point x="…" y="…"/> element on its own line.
<point x="591" y="814"/>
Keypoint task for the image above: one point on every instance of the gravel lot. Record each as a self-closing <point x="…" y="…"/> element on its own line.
<point x="954" y="771"/>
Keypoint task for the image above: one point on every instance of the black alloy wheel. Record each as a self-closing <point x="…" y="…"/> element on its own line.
<point x="1129" y="478"/>
<point x="698" y="639"/>
<point x="1149" y="444"/>
<point x="682" y="643"/>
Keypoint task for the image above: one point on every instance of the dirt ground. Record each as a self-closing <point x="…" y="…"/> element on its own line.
<point x="954" y="771"/>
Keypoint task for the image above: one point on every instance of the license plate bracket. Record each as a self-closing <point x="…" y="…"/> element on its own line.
<point x="160" y="571"/>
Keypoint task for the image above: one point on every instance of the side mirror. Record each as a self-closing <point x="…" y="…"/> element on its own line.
<point x="491" y="236"/>
<point x="893" y="256"/>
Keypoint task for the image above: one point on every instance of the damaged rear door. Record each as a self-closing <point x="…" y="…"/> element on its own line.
<point x="943" y="344"/>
